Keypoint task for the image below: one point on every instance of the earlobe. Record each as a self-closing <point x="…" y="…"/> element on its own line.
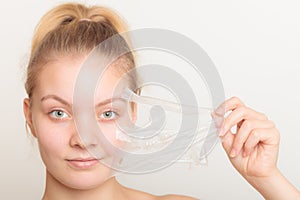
<point x="133" y="117"/>
<point x="28" y="115"/>
<point x="134" y="113"/>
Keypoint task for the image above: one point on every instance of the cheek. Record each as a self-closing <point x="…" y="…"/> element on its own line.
<point x="109" y="131"/>
<point x="115" y="132"/>
<point x="53" y="139"/>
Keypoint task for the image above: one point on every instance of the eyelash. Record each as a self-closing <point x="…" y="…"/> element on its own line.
<point x="52" y="115"/>
<point x="111" y="111"/>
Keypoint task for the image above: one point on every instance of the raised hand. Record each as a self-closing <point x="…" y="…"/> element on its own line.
<point x="253" y="149"/>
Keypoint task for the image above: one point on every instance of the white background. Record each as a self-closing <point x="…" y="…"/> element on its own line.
<point x="255" y="45"/>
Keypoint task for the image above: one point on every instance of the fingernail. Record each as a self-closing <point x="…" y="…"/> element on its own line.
<point x="218" y="121"/>
<point x="217" y="112"/>
<point x="232" y="153"/>
<point x="213" y="114"/>
<point x="221" y="132"/>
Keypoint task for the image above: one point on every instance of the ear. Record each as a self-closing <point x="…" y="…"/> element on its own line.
<point x="134" y="112"/>
<point x="28" y="115"/>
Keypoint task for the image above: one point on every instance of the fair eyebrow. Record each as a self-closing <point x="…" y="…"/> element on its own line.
<point x="107" y="101"/>
<point x="57" y="98"/>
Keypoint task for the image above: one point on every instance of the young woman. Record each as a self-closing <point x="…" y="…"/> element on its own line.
<point x="62" y="41"/>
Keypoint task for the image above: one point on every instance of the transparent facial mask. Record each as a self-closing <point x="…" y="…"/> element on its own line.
<point x="135" y="126"/>
<point x="155" y="127"/>
<point x="148" y="132"/>
<point x="162" y="119"/>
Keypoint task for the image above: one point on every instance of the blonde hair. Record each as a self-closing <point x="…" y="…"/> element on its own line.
<point x="73" y="29"/>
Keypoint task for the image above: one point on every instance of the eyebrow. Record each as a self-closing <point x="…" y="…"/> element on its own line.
<point x="57" y="98"/>
<point x="107" y="101"/>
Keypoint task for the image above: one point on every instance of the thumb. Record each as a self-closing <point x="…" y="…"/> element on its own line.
<point x="227" y="141"/>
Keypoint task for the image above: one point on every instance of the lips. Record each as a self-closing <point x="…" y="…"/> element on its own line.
<point x="83" y="163"/>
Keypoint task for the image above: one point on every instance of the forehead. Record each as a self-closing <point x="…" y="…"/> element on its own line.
<point x="59" y="77"/>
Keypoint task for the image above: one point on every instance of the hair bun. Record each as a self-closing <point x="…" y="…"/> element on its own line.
<point x="68" y="13"/>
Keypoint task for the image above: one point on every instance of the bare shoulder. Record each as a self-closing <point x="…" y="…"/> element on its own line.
<point x="136" y="194"/>
<point x="175" y="197"/>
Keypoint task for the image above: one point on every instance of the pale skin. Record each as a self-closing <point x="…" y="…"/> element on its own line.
<point x="253" y="150"/>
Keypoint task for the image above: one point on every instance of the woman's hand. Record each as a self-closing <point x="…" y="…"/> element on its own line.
<point x="253" y="149"/>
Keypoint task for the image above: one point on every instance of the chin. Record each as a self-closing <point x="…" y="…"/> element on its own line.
<point x="84" y="179"/>
<point x="85" y="183"/>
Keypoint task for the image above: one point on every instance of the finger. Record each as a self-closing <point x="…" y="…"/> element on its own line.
<point x="227" y="141"/>
<point x="267" y="136"/>
<point x="238" y="115"/>
<point x="244" y="132"/>
<point x="228" y="105"/>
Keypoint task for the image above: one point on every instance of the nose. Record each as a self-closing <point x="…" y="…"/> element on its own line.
<point x="83" y="140"/>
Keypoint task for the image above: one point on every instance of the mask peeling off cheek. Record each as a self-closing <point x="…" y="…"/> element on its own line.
<point x="110" y="132"/>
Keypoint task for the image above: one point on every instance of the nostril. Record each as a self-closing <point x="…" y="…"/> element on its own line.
<point x="89" y="140"/>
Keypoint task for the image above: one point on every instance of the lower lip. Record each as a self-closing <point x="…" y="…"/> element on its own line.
<point x="83" y="164"/>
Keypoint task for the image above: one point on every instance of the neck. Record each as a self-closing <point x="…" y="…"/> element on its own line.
<point x="110" y="189"/>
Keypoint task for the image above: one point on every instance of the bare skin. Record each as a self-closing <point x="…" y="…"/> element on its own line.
<point x="253" y="150"/>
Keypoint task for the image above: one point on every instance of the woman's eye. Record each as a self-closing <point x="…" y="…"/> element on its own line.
<point x="109" y="115"/>
<point x="58" y="114"/>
